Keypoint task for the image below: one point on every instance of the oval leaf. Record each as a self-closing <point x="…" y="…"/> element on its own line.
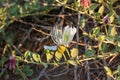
<point x="74" y="52"/>
<point x="96" y="31"/>
<point x="49" y="56"/>
<point x="108" y="70"/>
<point x="89" y="53"/>
<point x="101" y="9"/>
<point x="72" y="62"/>
<point x="36" y="57"/>
<point x="58" y="56"/>
<point x="61" y="49"/>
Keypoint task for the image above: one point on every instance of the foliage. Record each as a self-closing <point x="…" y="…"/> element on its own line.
<point x="98" y="26"/>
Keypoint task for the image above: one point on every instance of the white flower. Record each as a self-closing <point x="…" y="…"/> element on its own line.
<point x="63" y="37"/>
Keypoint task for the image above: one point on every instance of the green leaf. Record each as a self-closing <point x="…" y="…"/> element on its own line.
<point x="22" y="10"/>
<point x="111" y="14"/>
<point x="118" y="78"/>
<point x="100" y="1"/>
<point x="18" y="58"/>
<point x="61" y="49"/>
<point x="45" y="65"/>
<point x="1" y="73"/>
<point x="13" y="10"/>
<point x="49" y="56"/>
<point x="9" y="37"/>
<point x="97" y="14"/>
<point x="118" y="70"/>
<point x="74" y="53"/>
<point x="93" y="6"/>
<point x="118" y="20"/>
<point x="1" y="10"/>
<point x="101" y="10"/>
<point x="51" y="1"/>
<point x="96" y="31"/>
<point x="64" y="1"/>
<point x="36" y="57"/>
<point x="113" y="1"/>
<point x="89" y="53"/>
<point x="103" y="47"/>
<point x="72" y="62"/>
<point x="17" y="71"/>
<point x="28" y="72"/>
<point x="118" y="44"/>
<point x="115" y="72"/>
<point x="117" y="48"/>
<point x="58" y="56"/>
<point x="26" y="54"/>
<point x="91" y="12"/>
<point x="85" y="34"/>
<point x="101" y="37"/>
<point x="83" y="23"/>
<point x="112" y="19"/>
<point x="2" y="61"/>
<point x="110" y="39"/>
<point x="2" y="28"/>
<point x="112" y="31"/>
<point x="108" y="70"/>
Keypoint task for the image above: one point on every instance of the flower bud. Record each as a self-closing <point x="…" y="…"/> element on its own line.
<point x="85" y="3"/>
<point x="12" y="63"/>
<point x="106" y="20"/>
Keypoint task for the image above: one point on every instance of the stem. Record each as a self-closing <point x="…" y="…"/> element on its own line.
<point x="107" y="55"/>
<point x="68" y="52"/>
<point x="106" y="30"/>
<point x="87" y="63"/>
<point x="75" y="72"/>
<point x="77" y="34"/>
<point x="22" y="74"/>
<point x="77" y="39"/>
<point x="64" y="57"/>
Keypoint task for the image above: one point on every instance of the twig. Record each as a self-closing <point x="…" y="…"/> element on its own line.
<point x="87" y="64"/>
<point x="22" y="74"/>
<point x="105" y="64"/>
<point x="44" y="33"/>
<point x="47" y="76"/>
<point x="75" y="72"/>
<point x="82" y="44"/>
<point x="31" y="24"/>
<point x="60" y="21"/>
<point x="56" y="75"/>
<point x="77" y="39"/>
<point x="25" y="38"/>
<point x="41" y="74"/>
<point x="11" y="44"/>
<point x="3" y="70"/>
<point x="112" y="59"/>
<point x="77" y="34"/>
<point x="16" y="49"/>
<point x="62" y="73"/>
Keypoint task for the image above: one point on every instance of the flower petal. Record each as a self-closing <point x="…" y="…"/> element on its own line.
<point x="63" y="37"/>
